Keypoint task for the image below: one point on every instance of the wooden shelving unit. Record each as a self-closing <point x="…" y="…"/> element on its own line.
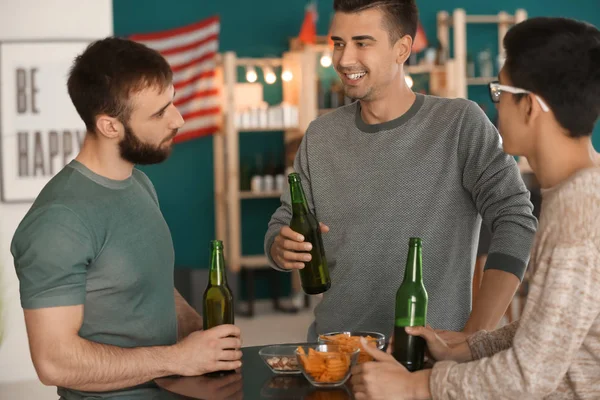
<point x="458" y="22"/>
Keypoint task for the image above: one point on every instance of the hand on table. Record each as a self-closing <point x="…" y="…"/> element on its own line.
<point x="216" y="349"/>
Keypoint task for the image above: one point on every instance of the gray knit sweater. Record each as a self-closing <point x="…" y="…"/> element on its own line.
<point x="431" y="173"/>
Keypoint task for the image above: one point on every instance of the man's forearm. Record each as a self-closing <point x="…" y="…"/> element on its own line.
<point x="89" y="366"/>
<point x="188" y="320"/>
<point x="497" y="290"/>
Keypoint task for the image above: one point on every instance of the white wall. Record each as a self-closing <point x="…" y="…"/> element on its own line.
<point x="35" y="19"/>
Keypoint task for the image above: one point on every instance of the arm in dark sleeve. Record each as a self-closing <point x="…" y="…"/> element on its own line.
<point x="498" y="191"/>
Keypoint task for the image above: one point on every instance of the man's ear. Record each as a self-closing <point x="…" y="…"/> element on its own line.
<point x="108" y="127"/>
<point x="533" y="109"/>
<point x="403" y="48"/>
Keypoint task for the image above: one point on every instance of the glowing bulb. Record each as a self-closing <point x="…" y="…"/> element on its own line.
<point x="287" y="75"/>
<point x="251" y="75"/>
<point x="270" y="78"/>
<point x="409" y="81"/>
<point x="269" y="75"/>
<point x="326" y="59"/>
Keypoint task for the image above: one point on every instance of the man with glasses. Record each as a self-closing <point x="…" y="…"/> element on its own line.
<point x="548" y="101"/>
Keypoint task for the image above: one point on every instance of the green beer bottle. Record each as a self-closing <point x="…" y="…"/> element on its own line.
<point x="217" y="303"/>
<point x="411" y="310"/>
<point x="315" y="274"/>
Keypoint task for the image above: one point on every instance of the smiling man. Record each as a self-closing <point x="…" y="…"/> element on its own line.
<point x="394" y="165"/>
<point x="94" y="255"/>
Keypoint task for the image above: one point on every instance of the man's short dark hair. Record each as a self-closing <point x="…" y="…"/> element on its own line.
<point x="108" y="72"/>
<point x="558" y="59"/>
<point x="401" y="16"/>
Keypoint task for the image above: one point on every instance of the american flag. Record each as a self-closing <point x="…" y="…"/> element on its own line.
<point x="192" y="53"/>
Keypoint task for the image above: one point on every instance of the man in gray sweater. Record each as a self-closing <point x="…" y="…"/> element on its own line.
<point x="394" y="165"/>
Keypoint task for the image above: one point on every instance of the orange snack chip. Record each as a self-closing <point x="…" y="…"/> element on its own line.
<point x="325" y="367"/>
<point x="350" y="343"/>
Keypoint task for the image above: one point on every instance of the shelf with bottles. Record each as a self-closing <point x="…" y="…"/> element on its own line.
<point x="485" y="67"/>
<point x="260" y="181"/>
<point x="263" y="118"/>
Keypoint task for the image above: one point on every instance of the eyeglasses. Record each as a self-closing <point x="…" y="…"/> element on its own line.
<point x="496" y="89"/>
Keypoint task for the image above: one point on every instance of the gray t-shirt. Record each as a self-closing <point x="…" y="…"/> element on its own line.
<point x="102" y="243"/>
<point x="431" y="173"/>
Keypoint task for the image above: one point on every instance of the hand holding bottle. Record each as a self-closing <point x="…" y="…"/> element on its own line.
<point x="290" y="251"/>
<point x="301" y="246"/>
<point x="438" y="348"/>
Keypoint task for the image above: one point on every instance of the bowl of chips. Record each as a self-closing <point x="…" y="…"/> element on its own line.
<point x="350" y="341"/>
<point x="325" y="365"/>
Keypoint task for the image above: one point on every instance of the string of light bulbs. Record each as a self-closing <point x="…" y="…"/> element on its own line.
<point x="268" y="73"/>
<point x="286" y="75"/>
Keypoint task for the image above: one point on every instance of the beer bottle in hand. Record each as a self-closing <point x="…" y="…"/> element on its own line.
<point x="217" y="303"/>
<point x="315" y="274"/>
<point x="411" y="310"/>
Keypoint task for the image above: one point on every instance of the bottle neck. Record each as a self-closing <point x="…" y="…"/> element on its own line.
<point x="217" y="268"/>
<point x="299" y="204"/>
<point x="414" y="265"/>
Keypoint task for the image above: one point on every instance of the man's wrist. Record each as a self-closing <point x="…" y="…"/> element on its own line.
<point x="168" y="357"/>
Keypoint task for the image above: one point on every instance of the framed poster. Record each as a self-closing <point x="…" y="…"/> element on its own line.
<point x="40" y="130"/>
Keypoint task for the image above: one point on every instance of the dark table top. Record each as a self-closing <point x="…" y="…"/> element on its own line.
<point x="254" y="381"/>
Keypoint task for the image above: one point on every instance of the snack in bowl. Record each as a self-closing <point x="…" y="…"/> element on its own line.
<point x="350" y="341"/>
<point x="283" y="363"/>
<point x="281" y="359"/>
<point x="325" y="365"/>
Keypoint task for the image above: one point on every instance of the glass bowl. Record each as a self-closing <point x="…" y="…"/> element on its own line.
<point x="326" y="365"/>
<point x="281" y="359"/>
<point x="350" y="340"/>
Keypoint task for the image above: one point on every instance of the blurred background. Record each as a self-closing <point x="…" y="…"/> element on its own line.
<point x="256" y="74"/>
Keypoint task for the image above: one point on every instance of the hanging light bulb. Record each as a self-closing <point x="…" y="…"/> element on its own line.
<point x="287" y="75"/>
<point x="409" y="80"/>
<point x="251" y="75"/>
<point x="269" y="75"/>
<point x="326" y="58"/>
